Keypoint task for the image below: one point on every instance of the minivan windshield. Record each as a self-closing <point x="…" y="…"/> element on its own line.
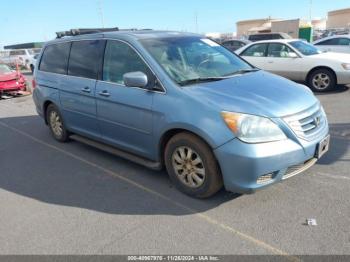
<point x="305" y="48"/>
<point x="190" y="60"/>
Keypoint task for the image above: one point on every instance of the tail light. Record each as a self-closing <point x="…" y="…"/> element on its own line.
<point x="33" y="83"/>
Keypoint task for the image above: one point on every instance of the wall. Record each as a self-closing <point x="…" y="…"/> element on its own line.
<point x="244" y="26"/>
<point x="339" y="19"/>
<point x="291" y="27"/>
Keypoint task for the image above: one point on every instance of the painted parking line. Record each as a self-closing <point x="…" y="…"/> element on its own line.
<point x="202" y="216"/>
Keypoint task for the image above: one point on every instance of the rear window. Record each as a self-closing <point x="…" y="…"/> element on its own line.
<point x="55" y="58"/>
<point x="85" y="58"/>
<point x="335" y="41"/>
<point x="17" y="52"/>
<point x="255" y="38"/>
<point x="257" y="50"/>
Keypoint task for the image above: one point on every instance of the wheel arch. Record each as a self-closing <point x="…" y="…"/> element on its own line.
<point x="168" y="134"/>
<point x="321" y="67"/>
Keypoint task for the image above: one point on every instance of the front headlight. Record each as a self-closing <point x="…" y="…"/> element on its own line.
<point x="253" y="129"/>
<point x="346" y="66"/>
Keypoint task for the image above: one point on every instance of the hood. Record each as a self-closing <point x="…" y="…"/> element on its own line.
<point x="342" y="57"/>
<point x="8" y="76"/>
<point x="258" y="93"/>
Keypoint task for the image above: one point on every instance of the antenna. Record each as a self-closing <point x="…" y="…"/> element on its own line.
<point x="100" y="11"/>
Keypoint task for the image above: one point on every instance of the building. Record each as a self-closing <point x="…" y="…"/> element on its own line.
<point x="25" y="46"/>
<point x="339" y="19"/>
<point x="319" y="24"/>
<point x="248" y="27"/>
<point x="290" y="27"/>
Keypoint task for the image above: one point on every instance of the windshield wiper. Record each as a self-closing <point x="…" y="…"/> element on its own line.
<point x="243" y="71"/>
<point x="216" y="78"/>
<point x="200" y="80"/>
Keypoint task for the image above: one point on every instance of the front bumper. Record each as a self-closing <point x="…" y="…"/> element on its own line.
<point x="10" y="88"/>
<point x="343" y="77"/>
<point x="244" y="165"/>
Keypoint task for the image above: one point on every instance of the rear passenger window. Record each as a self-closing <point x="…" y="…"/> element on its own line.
<point x="257" y="50"/>
<point x="344" y="41"/>
<point x="120" y="59"/>
<point x="335" y="41"/>
<point x="55" y="58"/>
<point x="85" y="58"/>
<point x="279" y="50"/>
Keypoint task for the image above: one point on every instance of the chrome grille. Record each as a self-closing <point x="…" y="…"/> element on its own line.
<point x="309" y="123"/>
<point x="297" y="169"/>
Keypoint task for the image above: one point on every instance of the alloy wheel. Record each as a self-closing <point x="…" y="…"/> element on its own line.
<point x="321" y="81"/>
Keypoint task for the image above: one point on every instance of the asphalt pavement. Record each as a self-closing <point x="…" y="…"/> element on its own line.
<point x="73" y="199"/>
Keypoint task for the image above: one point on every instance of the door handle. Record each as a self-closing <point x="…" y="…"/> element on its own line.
<point x="86" y="89"/>
<point x="104" y="93"/>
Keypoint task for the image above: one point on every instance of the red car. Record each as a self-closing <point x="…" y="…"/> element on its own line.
<point x="11" y="81"/>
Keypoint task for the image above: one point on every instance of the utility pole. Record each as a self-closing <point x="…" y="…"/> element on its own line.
<point x="196" y="21"/>
<point x="310" y="11"/>
<point x="100" y="11"/>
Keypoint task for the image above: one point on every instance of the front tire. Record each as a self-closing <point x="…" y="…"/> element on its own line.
<point x="192" y="166"/>
<point x="56" y="124"/>
<point x="322" y="80"/>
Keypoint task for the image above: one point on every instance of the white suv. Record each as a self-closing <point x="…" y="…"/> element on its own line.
<point x="336" y="43"/>
<point x="22" y="57"/>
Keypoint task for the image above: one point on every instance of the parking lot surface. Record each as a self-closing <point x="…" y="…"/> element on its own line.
<point x="73" y="199"/>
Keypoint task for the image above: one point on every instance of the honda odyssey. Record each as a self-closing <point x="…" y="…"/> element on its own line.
<point x="179" y="101"/>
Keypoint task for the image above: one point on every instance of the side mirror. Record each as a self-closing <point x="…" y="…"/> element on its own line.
<point x="292" y="55"/>
<point x="135" y="79"/>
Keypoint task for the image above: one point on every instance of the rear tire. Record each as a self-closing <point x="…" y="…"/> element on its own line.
<point x="56" y="124"/>
<point x="322" y="80"/>
<point x="192" y="166"/>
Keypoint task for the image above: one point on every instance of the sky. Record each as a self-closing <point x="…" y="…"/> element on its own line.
<point x="37" y="20"/>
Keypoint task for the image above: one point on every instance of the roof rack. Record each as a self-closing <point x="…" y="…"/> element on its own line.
<point x="85" y="31"/>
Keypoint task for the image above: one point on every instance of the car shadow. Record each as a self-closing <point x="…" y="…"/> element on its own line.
<point x="339" y="145"/>
<point x="336" y="90"/>
<point x="37" y="167"/>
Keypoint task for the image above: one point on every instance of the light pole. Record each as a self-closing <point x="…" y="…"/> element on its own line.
<point x="310" y="11"/>
<point x="100" y="9"/>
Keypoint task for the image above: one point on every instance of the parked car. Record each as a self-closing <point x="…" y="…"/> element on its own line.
<point x="182" y="101"/>
<point x="235" y="44"/>
<point x="337" y="43"/>
<point x="21" y="57"/>
<point x="335" y="31"/>
<point x="267" y="36"/>
<point x="11" y="81"/>
<point x="32" y="62"/>
<point x="299" y="61"/>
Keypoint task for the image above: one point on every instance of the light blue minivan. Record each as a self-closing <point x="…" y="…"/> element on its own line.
<point x="179" y="101"/>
